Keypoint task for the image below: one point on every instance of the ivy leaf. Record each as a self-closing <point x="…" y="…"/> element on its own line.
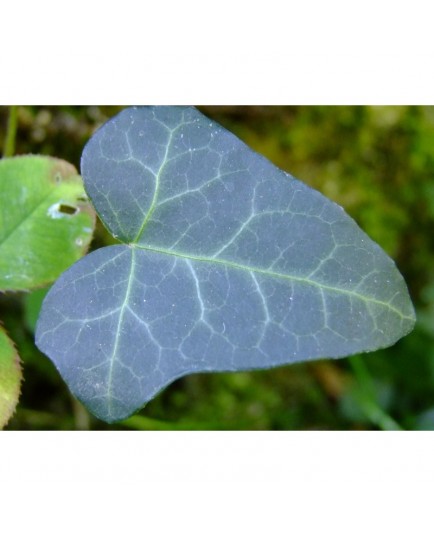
<point x="227" y="263"/>
<point x="46" y="223"/>
<point x="10" y="378"/>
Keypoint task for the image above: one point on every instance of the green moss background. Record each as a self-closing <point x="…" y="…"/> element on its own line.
<point x="375" y="161"/>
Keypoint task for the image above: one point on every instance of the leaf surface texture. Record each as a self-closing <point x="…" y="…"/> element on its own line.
<point x="226" y="263"/>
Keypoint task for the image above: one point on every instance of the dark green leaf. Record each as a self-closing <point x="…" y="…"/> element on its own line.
<point x="229" y="263"/>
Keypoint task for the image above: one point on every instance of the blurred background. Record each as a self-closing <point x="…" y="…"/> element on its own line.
<point x="375" y="161"/>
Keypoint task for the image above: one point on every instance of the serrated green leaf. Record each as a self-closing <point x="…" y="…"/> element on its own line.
<point x="10" y="378"/>
<point x="228" y="264"/>
<point x="45" y="221"/>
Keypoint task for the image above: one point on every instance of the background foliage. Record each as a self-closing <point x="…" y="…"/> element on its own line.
<point x="378" y="163"/>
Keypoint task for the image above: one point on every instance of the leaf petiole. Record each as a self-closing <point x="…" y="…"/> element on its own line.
<point x="11" y="132"/>
<point x="368" y="400"/>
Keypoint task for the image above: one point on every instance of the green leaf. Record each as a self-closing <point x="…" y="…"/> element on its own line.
<point x="228" y="263"/>
<point x="46" y="223"/>
<point x="10" y="378"/>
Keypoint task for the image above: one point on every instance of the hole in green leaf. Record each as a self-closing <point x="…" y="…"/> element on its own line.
<point x="67" y="209"/>
<point x="60" y="210"/>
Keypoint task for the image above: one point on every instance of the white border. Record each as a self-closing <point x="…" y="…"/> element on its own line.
<point x="229" y="53"/>
<point x="272" y="483"/>
<point x="218" y="53"/>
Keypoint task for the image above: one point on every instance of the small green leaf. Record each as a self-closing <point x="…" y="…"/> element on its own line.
<point x="46" y="222"/>
<point x="10" y="378"/>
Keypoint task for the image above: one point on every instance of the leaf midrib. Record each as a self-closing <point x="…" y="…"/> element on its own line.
<point x="24" y="220"/>
<point x="293" y="278"/>
<point x="122" y="309"/>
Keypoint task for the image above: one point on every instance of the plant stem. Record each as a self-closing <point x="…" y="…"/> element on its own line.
<point x="81" y="416"/>
<point x="368" y="402"/>
<point x="11" y="131"/>
<point x="140" y="422"/>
